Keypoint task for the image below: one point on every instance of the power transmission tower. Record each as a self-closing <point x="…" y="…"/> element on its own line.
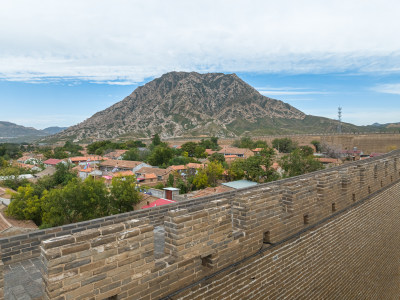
<point x="340" y="120"/>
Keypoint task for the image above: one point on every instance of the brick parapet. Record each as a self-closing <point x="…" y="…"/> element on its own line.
<point x="200" y="240"/>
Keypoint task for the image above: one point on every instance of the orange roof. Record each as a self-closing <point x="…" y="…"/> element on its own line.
<point x="212" y="190"/>
<point x="150" y="176"/>
<point x="194" y="166"/>
<point x="327" y="160"/>
<point x="115" y="153"/>
<point x="85" y="158"/>
<point x="7" y="222"/>
<point x="88" y="170"/>
<point x="25" y="166"/>
<point x="123" y="174"/>
<point x="257" y="149"/>
<point x="230" y="156"/>
<point x="127" y="164"/>
<point x="209" y="151"/>
<point x="177" y="168"/>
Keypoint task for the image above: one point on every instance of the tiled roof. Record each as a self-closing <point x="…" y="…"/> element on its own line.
<point x="85" y="158"/>
<point x="327" y="160"/>
<point x="127" y="164"/>
<point x="123" y="174"/>
<point x="211" y="191"/>
<point x="233" y="150"/>
<point x="7" y="223"/>
<point x="116" y="153"/>
<point x="177" y="168"/>
<point x="156" y="171"/>
<point x="194" y="166"/>
<point x="52" y="161"/>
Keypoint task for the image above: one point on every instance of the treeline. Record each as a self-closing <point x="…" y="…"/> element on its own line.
<point x="63" y="198"/>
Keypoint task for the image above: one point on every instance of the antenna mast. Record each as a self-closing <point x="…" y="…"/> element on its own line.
<point x="340" y="120"/>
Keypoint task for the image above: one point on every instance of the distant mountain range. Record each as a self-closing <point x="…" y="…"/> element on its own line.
<point x="10" y="132"/>
<point x="387" y="125"/>
<point x="180" y="104"/>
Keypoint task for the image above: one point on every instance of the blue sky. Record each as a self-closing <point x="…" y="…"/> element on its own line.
<point x="62" y="61"/>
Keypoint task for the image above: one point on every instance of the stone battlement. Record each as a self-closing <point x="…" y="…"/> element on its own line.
<point x="116" y="256"/>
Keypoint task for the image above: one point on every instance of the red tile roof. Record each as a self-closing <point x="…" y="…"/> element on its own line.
<point x="52" y="161"/>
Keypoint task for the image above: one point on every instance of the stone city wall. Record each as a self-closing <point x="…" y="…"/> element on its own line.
<point x="329" y="234"/>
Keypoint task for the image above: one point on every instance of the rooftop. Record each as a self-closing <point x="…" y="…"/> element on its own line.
<point x="240" y="184"/>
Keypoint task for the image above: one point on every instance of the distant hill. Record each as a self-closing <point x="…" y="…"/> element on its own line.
<point x="54" y="129"/>
<point x="13" y="133"/>
<point x="192" y="104"/>
<point x="387" y="125"/>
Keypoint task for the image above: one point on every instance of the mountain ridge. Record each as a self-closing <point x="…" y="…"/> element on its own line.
<point x="180" y="104"/>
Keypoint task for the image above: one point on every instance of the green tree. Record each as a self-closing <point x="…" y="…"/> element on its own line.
<point x="317" y="145"/>
<point x="296" y="163"/>
<point x="200" y="180"/>
<point x="170" y="181"/>
<point x="306" y="150"/>
<point x="63" y="174"/>
<point x="214" y="171"/>
<point x="199" y="152"/>
<point x="75" y="202"/>
<point x="25" y="205"/>
<point x="156" y="140"/>
<point x="123" y="194"/>
<point x="219" y="157"/>
<point x="132" y="154"/>
<point x="160" y="156"/>
<point x="236" y="170"/>
<point x="284" y="145"/>
<point x="190" y="148"/>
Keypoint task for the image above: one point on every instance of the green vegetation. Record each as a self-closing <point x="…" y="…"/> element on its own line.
<point x="299" y="162"/>
<point x="63" y="198"/>
<point x="10" y="151"/>
<point x="284" y="145"/>
<point x="104" y="147"/>
<point x="247" y="142"/>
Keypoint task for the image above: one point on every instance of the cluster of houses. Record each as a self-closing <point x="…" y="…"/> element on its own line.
<point x="112" y="165"/>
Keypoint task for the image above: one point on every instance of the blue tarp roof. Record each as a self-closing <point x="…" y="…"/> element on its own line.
<point x="240" y="184"/>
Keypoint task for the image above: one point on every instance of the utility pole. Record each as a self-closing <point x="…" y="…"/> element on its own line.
<point x="339" y="129"/>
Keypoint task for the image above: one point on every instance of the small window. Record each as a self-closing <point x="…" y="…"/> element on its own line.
<point x="354" y="197"/>
<point x="381" y="183"/>
<point x="369" y="190"/>
<point x="306" y="219"/>
<point x="333" y="207"/>
<point x="267" y="237"/>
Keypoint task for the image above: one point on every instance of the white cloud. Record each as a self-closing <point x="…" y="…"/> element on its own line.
<point x="388" y="88"/>
<point x="118" y="41"/>
<point x="288" y="91"/>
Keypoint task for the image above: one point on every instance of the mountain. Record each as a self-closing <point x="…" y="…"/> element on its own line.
<point x="387" y="125"/>
<point x="10" y="132"/>
<point x="13" y="133"/>
<point x="193" y="104"/>
<point x="54" y="129"/>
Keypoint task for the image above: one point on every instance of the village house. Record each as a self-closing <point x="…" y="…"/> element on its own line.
<point x="113" y="165"/>
<point x="86" y="160"/>
<point x="152" y="176"/>
<point x="52" y="162"/>
<point x="234" y="153"/>
<point x="116" y="154"/>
